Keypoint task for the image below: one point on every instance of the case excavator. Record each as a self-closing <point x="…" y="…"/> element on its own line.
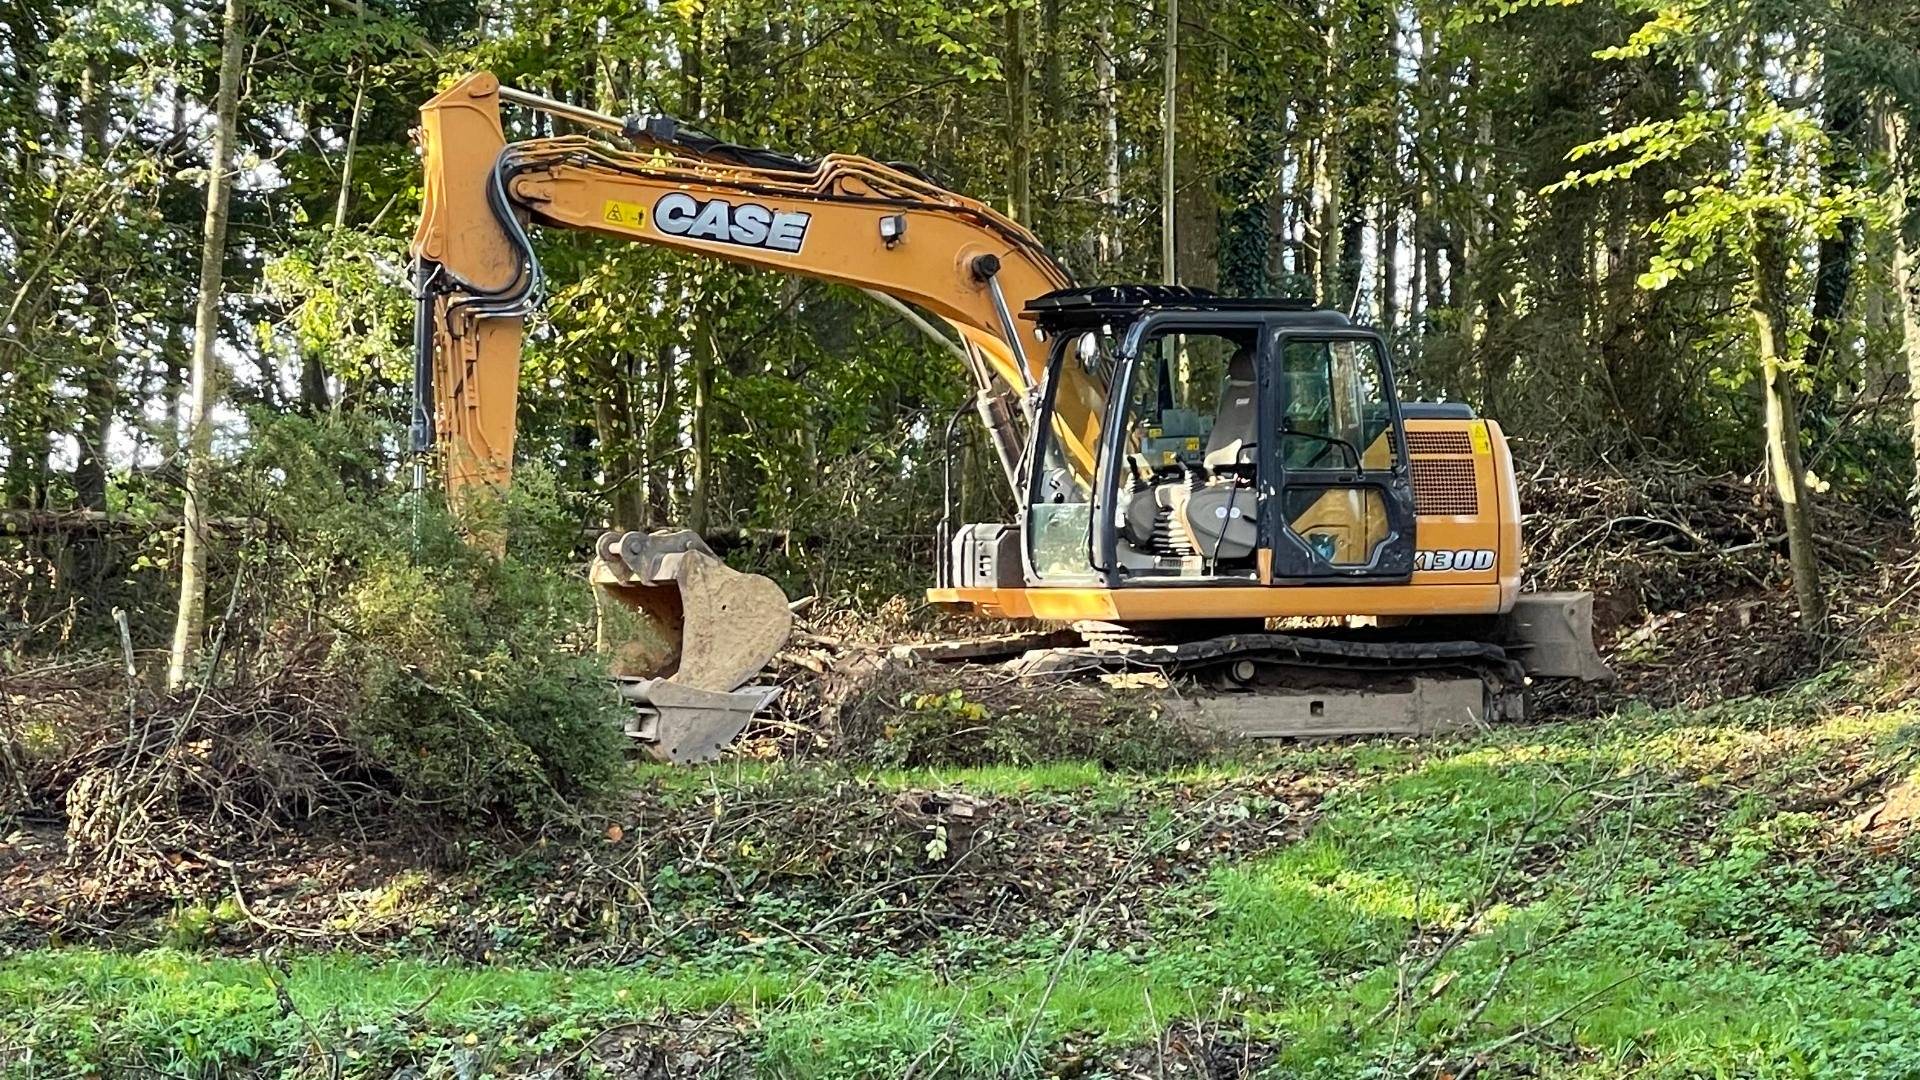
<point x="1224" y="491"/>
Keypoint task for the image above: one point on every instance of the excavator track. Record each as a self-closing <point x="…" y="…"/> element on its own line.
<point x="1290" y="649"/>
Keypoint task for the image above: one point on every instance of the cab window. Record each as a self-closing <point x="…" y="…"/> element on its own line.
<point x="1334" y="406"/>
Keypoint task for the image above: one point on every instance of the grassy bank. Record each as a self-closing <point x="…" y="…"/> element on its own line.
<point x="1660" y="893"/>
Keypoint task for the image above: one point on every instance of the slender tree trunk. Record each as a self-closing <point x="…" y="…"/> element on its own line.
<point x="660" y="435"/>
<point x="1329" y="175"/>
<point x="314" y="398"/>
<point x="190" y="623"/>
<point x="1389" y="266"/>
<point x="174" y="354"/>
<point x="1305" y="232"/>
<point x="1416" y="282"/>
<point x="1198" y="163"/>
<point x="1019" y="120"/>
<point x="1326" y="229"/>
<point x="1053" y="106"/>
<point x="1109" y="239"/>
<point x="692" y="66"/>
<point x="1784" y="461"/>
<point x="1906" y="278"/>
<point x="700" y="495"/>
<point x="1838" y="251"/>
<point x="90" y="465"/>
<point x="345" y="200"/>
<point x="618" y="445"/>
<point x="1169" y="133"/>
<point x="1431" y="238"/>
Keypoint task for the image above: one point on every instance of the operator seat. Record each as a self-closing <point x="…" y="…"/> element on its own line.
<point x="1233" y="426"/>
<point x="1221" y="517"/>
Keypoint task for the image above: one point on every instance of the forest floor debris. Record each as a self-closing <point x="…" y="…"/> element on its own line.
<point x="1660" y="890"/>
<point x="849" y="864"/>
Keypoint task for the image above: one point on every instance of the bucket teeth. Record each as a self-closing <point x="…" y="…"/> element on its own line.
<point x="683" y="726"/>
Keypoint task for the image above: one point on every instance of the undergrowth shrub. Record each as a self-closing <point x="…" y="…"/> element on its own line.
<point x="360" y="656"/>
<point x="481" y="695"/>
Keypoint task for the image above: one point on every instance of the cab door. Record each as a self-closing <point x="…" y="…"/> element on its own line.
<point x="1338" y="502"/>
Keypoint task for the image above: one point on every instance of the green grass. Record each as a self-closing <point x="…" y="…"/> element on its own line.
<point x="1639" y="895"/>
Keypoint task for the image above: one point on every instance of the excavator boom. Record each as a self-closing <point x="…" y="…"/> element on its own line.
<point x="702" y="629"/>
<point x="841" y="218"/>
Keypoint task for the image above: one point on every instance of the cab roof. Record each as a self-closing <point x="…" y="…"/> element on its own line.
<point x="1071" y="309"/>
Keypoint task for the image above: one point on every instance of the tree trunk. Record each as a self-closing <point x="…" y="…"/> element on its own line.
<point x="190" y="622"/>
<point x="1305" y="230"/>
<point x="619" y="446"/>
<point x="1329" y="175"/>
<point x="174" y="354"/>
<point x="1833" y="276"/>
<point x="345" y="200"/>
<point x="1169" y="132"/>
<point x="1019" y="120"/>
<point x="661" y="436"/>
<point x="1196" y="214"/>
<point x="1389" y="266"/>
<point x="96" y="425"/>
<point x="1326" y="228"/>
<point x="1353" y="227"/>
<point x="1109" y="239"/>
<point x="1906" y="280"/>
<point x="1053" y="106"/>
<point x="692" y="66"/>
<point x="700" y="494"/>
<point x="1769" y="313"/>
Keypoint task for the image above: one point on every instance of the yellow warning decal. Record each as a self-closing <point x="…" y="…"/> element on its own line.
<point x="624" y="214"/>
<point x="1478" y="433"/>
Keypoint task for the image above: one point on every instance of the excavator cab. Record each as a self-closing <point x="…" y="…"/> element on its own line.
<point x="1249" y="442"/>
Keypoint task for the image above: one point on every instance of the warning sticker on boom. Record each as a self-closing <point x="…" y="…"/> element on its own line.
<point x="624" y="214"/>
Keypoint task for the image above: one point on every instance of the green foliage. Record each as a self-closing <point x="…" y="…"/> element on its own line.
<point x="476" y="699"/>
<point x="349" y="301"/>
<point x="897" y="1036"/>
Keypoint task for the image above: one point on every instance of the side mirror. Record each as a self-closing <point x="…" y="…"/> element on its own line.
<point x="1088" y="349"/>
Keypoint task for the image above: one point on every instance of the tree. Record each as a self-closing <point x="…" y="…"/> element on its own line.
<point x="1905" y="225"/>
<point x="190" y="621"/>
<point x="1759" y="199"/>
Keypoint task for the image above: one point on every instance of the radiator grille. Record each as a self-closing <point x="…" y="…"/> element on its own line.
<point x="1438" y="442"/>
<point x="1445" y="486"/>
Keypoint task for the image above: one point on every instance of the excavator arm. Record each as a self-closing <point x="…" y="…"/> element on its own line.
<point x="703" y="630"/>
<point x="842" y="218"/>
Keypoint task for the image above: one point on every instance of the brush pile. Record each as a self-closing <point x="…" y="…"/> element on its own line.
<point x="1658" y="539"/>
<point x="1689" y="573"/>
<point x="142" y="777"/>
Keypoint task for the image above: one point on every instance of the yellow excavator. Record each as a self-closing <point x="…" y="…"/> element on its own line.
<point x="1221" y="489"/>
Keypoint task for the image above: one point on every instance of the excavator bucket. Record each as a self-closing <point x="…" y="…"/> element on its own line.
<point x="685" y="633"/>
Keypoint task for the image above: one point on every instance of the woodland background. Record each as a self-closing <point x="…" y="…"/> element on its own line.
<point x="1567" y="214"/>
